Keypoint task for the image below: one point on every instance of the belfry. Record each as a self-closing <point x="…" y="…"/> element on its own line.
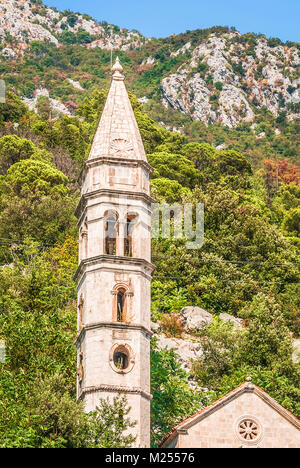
<point x="115" y="270"/>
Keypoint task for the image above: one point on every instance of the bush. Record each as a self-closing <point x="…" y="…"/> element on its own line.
<point x="67" y="37"/>
<point x="174" y="167"/>
<point x="172" y="325"/>
<point x="13" y="149"/>
<point x="72" y="20"/>
<point x="219" y="85"/>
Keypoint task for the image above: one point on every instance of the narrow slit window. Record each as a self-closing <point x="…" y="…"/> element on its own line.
<point x="120" y="306"/>
<point x="128" y="239"/>
<point x="80" y="371"/>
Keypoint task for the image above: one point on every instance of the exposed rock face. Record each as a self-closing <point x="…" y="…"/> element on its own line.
<point x="143" y="100"/>
<point x="234" y="106"/>
<point x="182" y="50"/>
<point x="237" y="322"/>
<point x="148" y="61"/>
<point x="225" y="80"/>
<point x="76" y="84"/>
<point x="195" y="318"/>
<point x="57" y="107"/>
<point x="9" y="53"/>
<point x="17" y="19"/>
<point x="185" y="349"/>
<point x="27" y="22"/>
<point x="155" y="327"/>
<point x="296" y="351"/>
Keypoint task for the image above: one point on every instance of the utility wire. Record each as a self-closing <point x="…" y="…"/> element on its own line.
<point x="228" y="281"/>
<point x="242" y="262"/>
<point x="10" y="243"/>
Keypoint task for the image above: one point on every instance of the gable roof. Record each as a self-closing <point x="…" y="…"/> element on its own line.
<point x="247" y="387"/>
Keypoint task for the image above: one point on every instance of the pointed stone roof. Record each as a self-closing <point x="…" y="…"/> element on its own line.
<point x="118" y="135"/>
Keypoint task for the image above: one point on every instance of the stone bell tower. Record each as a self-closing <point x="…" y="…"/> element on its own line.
<point x="115" y="269"/>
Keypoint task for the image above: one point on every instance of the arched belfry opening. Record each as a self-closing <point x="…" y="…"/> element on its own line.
<point x="131" y="221"/>
<point x="110" y="233"/>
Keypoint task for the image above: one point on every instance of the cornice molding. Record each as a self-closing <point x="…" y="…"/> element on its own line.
<point x="110" y="192"/>
<point x="112" y="325"/>
<point x="114" y="389"/>
<point x="113" y="260"/>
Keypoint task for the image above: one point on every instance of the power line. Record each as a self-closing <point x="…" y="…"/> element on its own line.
<point x="228" y="281"/>
<point x="242" y="262"/>
<point x="9" y="243"/>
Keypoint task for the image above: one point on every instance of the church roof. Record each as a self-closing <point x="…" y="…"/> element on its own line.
<point x="248" y="386"/>
<point x="117" y="135"/>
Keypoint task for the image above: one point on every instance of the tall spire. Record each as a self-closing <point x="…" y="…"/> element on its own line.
<point x="115" y="270"/>
<point x="118" y="134"/>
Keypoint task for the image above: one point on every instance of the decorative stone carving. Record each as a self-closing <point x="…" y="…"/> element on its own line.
<point x="121" y="146"/>
<point x="249" y="430"/>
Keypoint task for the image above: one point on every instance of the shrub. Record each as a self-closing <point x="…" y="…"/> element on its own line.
<point x="172" y="325"/>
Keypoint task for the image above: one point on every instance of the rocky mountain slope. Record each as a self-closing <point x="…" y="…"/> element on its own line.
<point x="225" y="78"/>
<point x="27" y="21"/>
<point x="214" y="76"/>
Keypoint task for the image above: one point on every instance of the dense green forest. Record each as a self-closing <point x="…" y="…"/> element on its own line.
<point x="249" y="265"/>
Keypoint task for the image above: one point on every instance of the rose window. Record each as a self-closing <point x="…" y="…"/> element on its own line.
<point x="248" y="430"/>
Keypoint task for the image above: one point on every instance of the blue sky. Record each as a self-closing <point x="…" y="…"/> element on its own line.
<point x="160" y="18"/>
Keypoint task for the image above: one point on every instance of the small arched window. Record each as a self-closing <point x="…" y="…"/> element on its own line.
<point x="121" y="305"/>
<point x="110" y="234"/>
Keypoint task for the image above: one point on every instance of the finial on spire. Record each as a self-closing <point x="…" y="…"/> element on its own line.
<point x="117" y="70"/>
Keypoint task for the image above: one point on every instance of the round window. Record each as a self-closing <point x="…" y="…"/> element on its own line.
<point x="249" y="430"/>
<point x="121" y="358"/>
